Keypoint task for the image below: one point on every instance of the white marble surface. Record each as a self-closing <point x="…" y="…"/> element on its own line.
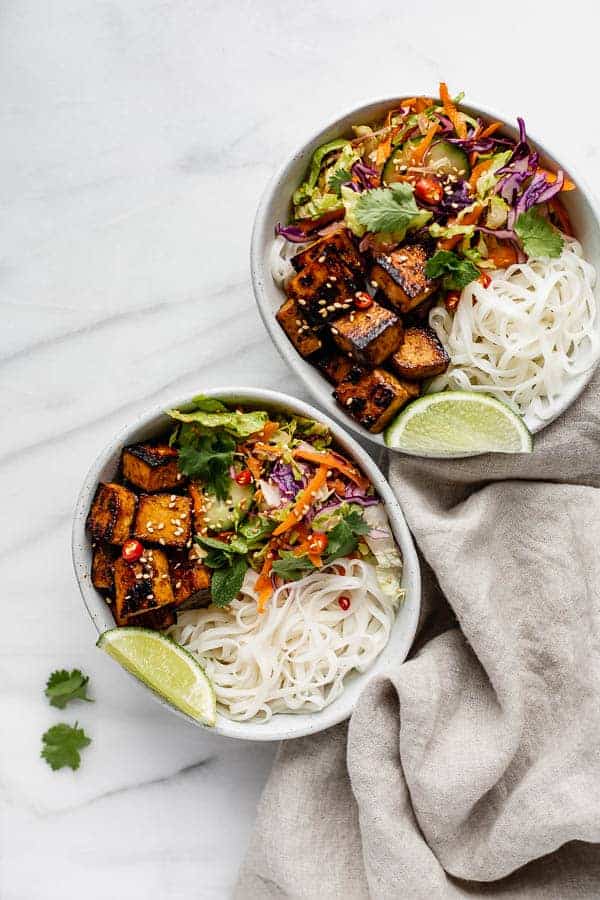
<point x="137" y="137"/>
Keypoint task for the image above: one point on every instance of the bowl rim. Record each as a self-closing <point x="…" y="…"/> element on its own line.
<point x="281" y="726"/>
<point x="260" y="268"/>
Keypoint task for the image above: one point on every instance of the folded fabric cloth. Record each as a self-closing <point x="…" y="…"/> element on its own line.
<point x="473" y="770"/>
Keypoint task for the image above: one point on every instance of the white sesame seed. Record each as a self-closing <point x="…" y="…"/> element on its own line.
<point x="160" y="526"/>
<point x="321" y="259"/>
<point x="177" y="584"/>
<point x="332" y="278"/>
<point x="161" y="541"/>
<point x="150" y="597"/>
<point x="173" y="498"/>
<point x="374" y="284"/>
<point x="334" y="331"/>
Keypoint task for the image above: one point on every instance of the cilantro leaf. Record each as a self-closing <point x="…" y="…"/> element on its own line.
<point x="61" y="745"/>
<point x="538" y="236"/>
<point x="343" y="537"/>
<point x="227" y="581"/>
<point x="207" y="457"/>
<point x="291" y="567"/>
<point x="456" y="273"/>
<point x="392" y="209"/>
<point x="62" y="687"/>
<point x="335" y="181"/>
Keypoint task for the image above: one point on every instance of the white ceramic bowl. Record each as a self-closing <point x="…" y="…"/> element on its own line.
<point x="274" y="207"/>
<point x="280" y="727"/>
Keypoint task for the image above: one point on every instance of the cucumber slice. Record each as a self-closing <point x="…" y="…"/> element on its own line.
<point x="221" y="515"/>
<point x="448" y="159"/>
<point x="400" y="156"/>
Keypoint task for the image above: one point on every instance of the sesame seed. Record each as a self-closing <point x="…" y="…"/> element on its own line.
<point x="374" y="284"/>
<point x="348" y="401"/>
<point x="298" y="321"/>
<point x="322" y="302"/>
<point x="143" y="559"/>
<point x="149" y="523"/>
<point x="328" y="284"/>
<point x="173" y="498"/>
<point x="150" y="597"/>
<point x="177" y="584"/>
<point x="332" y="278"/>
<point x="171" y="506"/>
<point x="138" y="575"/>
<point x="160" y="526"/>
<point x="334" y="331"/>
<point x="401" y="259"/>
<point x="161" y="541"/>
<point x="179" y="476"/>
<point x="337" y="306"/>
<point x="321" y="259"/>
<point x="302" y="302"/>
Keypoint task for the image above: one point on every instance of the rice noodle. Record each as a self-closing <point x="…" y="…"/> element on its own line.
<point x="295" y="655"/>
<point x="525" y="336"/>
<point x="281" y="254"/>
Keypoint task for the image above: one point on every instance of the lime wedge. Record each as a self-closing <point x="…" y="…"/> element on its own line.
<point x="458" y="423"/>
<point x="165" y="667"/>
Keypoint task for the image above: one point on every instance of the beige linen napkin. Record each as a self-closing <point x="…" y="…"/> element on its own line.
<point x="474" y="769"/>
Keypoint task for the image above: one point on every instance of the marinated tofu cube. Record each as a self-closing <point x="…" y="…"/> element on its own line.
<point x="337" y="247"/>
<point x="111" y="516"/>
<point x="375" y="397"/>
<point x="323" y="292"/>
<point x="142" y="586"/>
<point x="421" y="355"/>
<point x="335" y="366"/>
<point x="368" y="335"/>
<point x="297" y="329"/>
<point x="190" y="580"/>
<point x="151" y="468"/>
<point x="164" y="519"/>
<point x="103" y="560"/>
<point x="401" y="276"/>
<point x="158" y="620"/>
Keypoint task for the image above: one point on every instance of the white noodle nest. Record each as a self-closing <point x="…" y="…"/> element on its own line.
<point x="295" y="655"/>
<point x="525" y="336"/>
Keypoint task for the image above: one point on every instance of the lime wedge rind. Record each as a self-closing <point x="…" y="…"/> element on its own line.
<point x="165" y="667"/>
<point x="455" y="424"/>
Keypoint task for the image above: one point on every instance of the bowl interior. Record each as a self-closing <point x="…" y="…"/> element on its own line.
<point x="275" y="207"/>
<point x="281" y="726"/>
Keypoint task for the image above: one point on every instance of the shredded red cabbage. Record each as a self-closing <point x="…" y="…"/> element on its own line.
<point x="283" y="477"/>
<point x="354" y="494"/>
<point x="367" y="177"/>
<point x="291" y="233"/>
<point x="539" y="190"/>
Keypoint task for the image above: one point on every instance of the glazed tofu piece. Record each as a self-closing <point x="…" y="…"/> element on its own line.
<point x="111" y="516"/>
<point x="297" y="329"/>
<point x="337" y="247"/>
<point x="421" y="355"/>
<point x="142" y="586"/>
<point x="190" y="580"/>
<point x="401" y="276"/>
<point x="151" y="468"/>
<point x="158" y="620"/>
<point x="368" y="335"/>
<point x="323" y="292"/>
<point x="164" y="519"/>
<point x="335" y="366"/>
<point x="375" y="397"/>
<point x="329" y="273"/>
<point x="103" y="561"/>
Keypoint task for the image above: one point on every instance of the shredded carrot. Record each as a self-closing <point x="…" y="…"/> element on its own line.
<point x="303" y="500"/>
<point x="264" y="585"/>
<point x="479" y="169"/>
<point x="304" y="548"/>
<point x="469" y="218"/>
<point x="551" y="176"/>
<point x="421" y="104"/>
<point x="332" y="462"/>
<point x="491" y="129"/>
<point x="561" y="216"/>
<point x="451" y="111"/>
<point x="410" y="102"/>
<point x="254" y="466"/>
<point x="421" y="149"/>
<point x="473" y="157"/>
<point x="268" y="449"/>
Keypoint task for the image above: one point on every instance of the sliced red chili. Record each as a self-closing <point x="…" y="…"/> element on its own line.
<point x="451" y="300"/>
<point x="362" y="300"/>
<point x="244" y="477"/>
<point x="344" y="602"/>
<point x="317" y="542"/>
<point x="429" y="189"/>
<point x="485" y="279"/>
<point x="132" y="550"/>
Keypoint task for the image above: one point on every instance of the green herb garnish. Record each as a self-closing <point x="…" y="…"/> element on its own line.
<point x="538" y="236"/>
<point x="291" y="567"/>
<point x="455" y="272"/>
<point x="61" y="745"/>
<point x="392" y="209"/>
<point x="335" y="181"/>
<point x="63" y="686"/>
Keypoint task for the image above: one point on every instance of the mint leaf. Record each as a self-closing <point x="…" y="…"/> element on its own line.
<point x="456" y="273"/>
<point x="62" y="687"/>
<point x="392" y="209"/>
<point x="538" y="236"/>
<point x="291" y="567"/>
<point x="61" y="745"/>
<point x="226" y="582"/>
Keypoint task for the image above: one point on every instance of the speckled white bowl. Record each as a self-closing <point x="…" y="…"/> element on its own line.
<point x="280" y="727"/>
<point x="274" y="207"/>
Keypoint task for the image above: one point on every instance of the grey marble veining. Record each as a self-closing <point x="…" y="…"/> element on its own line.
<point x="137" y="138"/>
